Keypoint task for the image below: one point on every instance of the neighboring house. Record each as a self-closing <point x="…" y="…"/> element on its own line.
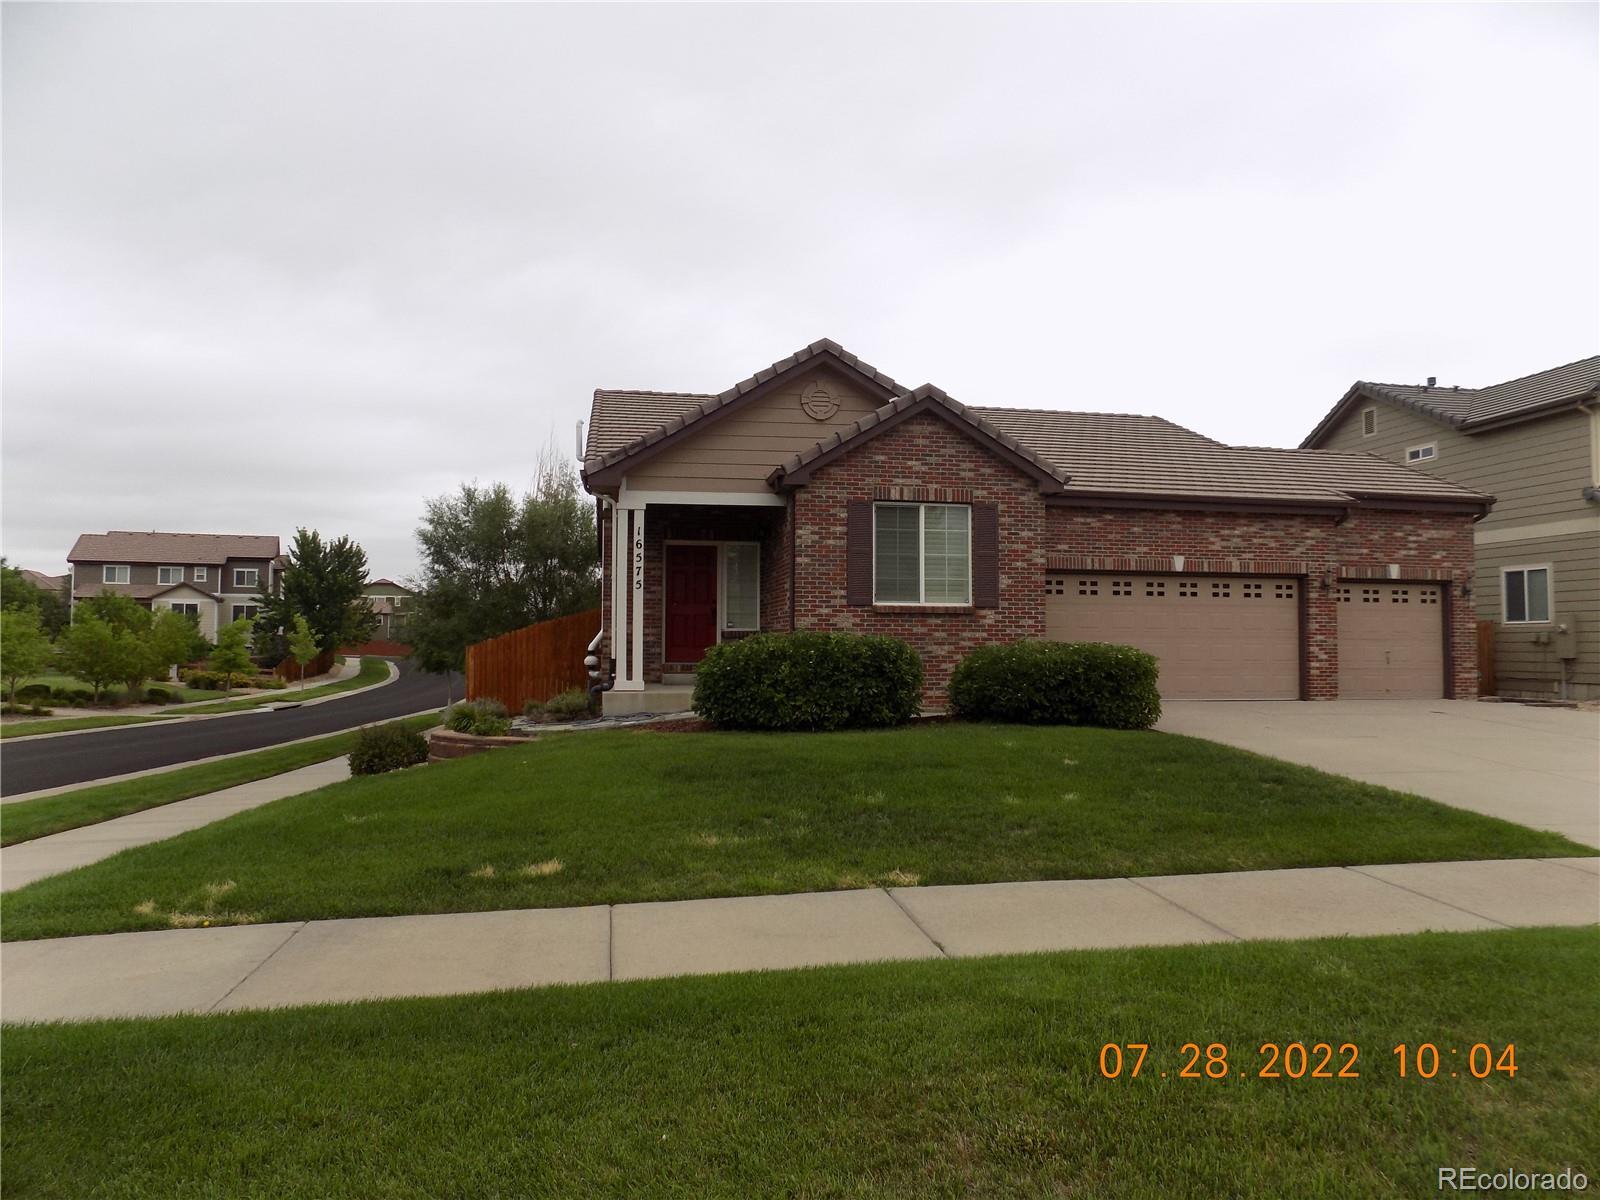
<point x="45" y="583"/>
<point x="821" y="494"/>
<point x="214" y="577"/>
<point x="392" y="602"/>
<point x="1534" y="444"/>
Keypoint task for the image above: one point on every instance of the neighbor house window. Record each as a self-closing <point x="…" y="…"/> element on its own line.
<point x="199" y="574"/>
<point x="741" y="586"/>
<point x="115" y="574"/>
<point x="169" y="574"/>
<point x="1369" y="422"/>
<point x="247" y="611"/>
<point x="188" y="610"/>
<point x="922" y="554"/>
<point x="246" y="577"/>
<point x="1416" y="454"/>
<point x="1526" y="592"/>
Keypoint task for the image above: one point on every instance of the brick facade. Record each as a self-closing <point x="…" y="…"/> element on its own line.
<point x="804" y="547"/>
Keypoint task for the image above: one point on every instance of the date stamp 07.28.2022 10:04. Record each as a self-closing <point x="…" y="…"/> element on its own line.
<point x="1216" y="1061"/>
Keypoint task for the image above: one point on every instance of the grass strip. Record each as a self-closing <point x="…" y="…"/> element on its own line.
<point x="928" y="1079"/>
<point x="27" y="819"/>
<point x="67" y="724"/>
<point x="372" y="671"/>
<point x="631" y="815"/>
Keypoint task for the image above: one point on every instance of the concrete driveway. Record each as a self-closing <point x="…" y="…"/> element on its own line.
<point x="1534" y="766"/>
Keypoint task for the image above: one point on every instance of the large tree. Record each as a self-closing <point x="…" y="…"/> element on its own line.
<point x="54" y="605"/>
<point x="322" y="582"/>
<point x="24" y="648"/>
<point x="493" y="561"/>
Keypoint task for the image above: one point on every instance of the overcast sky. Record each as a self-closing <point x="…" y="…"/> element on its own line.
<point x="298" y="265"/>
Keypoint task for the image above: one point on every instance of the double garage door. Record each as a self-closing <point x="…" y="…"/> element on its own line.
<point x="1232" y="638"/>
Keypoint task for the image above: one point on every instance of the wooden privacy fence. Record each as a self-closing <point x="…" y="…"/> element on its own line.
<point x="1487" y="685"/>
<point x="290" y="670"/>
<point x="532" y="663"/>
<point x="381" y="647"/>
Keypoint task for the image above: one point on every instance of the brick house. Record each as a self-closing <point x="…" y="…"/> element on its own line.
<point x="215" y="578"/>
<point x="821" y="494"/>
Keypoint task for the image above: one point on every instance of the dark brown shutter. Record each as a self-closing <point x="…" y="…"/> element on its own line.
<point x="858" y="552"/>
<point x="985" y="556"/>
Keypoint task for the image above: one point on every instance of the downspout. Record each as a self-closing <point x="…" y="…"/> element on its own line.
<point x="600" y="681"/>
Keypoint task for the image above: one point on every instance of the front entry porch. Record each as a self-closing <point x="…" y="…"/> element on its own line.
<point x="692" y="574"/>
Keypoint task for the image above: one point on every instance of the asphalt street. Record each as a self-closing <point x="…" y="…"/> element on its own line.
<point x="27" y="764"/>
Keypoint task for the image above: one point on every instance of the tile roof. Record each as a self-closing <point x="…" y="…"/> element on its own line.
<point x="138" y="591"/>
<point x="39" y="579"/>
<point x="1075" y="453"/>
<point x="173" y="549"/>
<point x="1468" y="409"/>
<point x="624" y="422"/>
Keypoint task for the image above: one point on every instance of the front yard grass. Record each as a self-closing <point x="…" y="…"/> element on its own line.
<point x="936" y="1079"/>
<point x="28" y="819"/>
<point x="595" y="818"/>
<point x="29" y="728"/>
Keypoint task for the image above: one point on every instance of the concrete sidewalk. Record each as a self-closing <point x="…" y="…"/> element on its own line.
<point x="266" y="966"/>
<point x="26" y="862"/>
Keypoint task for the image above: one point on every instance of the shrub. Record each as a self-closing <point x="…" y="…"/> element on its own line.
<point x="1058" y="683"/>
<point x="208" y="681"/>
<point x="158" y="695"/>
<point x="381" y="748"/>
<point x="486" y="718"/>
<point x="33" y="691"/>
<point x="572" y="703"/>
<point x="798" y="681"/>
<point x="78" y="697"/>
<point x="24" y="710"/>
<point x="270" y="682"/>
<point x="533" y="708"/>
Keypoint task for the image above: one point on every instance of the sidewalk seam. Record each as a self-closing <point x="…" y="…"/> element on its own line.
<point x="611" y="943"/>
<point x="1435" y="899"/>
<point x="1185" y="909"/>
<point x="250" y="974"/>
<point x="937" y="944"/>
<point x="1550" y="862"/>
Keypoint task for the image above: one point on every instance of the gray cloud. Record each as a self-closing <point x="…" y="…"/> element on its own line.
<point x="278" y="265"/>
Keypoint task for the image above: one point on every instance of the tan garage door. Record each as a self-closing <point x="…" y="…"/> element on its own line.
<point x="1391" y="641"/>
<point x="1218" y="638"/>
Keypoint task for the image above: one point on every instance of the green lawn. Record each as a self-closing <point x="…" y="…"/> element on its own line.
<point x="929" y="1079"/>
<point x="51" y="814"/>
<point x="587" y="818"/>
<point x="372" y="670"/>
<point x="115" y="691"/>
<point x="28" y="728"/>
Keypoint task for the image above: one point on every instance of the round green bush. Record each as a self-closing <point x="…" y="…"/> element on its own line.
<point x="158" y="695"/>
<point x="381" y="748"/>
<point x="486" y="718"/>
<point x="31" y="692"/>
<point x="809" y="681"/>
<point x="1058" y="683"/>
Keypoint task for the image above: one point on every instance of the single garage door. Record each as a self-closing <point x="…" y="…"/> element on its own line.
<point x="1391" y="641"/>
<point x="1217" y="637"/>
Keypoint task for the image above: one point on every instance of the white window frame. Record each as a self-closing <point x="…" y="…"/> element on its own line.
<point x="922" y="555"/>
<point x="184" y="606"/>
<point x="254" y="572"/>
<point x="722" y="592"/>
<point x="169" y="567"/>
<point x="1414" y="454"/>
<point x="1373" y="413"/>
<point x="1549" y="594"/>
<point x="106" y="570"/>
<point x="199" y="574"/>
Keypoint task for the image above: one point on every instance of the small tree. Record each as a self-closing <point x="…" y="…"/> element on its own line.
<point x="170" y="642"/>
<point x="99" y="653"/>
<point x="303" y="645"/>
<point x="232" y="655"/>
<point x="24" y="648"/>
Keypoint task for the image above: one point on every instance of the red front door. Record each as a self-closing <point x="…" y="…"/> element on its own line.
<point x="691" y="602"/>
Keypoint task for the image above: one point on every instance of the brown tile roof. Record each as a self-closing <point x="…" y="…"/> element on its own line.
<point x="138" y="591"/>
<point x="172" y="549"/>
<point x="624" y="422"/>
<point x="1468" y="409"/>
<point x="39" y="579"/>
<point x="1073" y="453"/>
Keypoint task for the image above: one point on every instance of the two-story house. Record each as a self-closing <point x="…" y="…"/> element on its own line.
<point x="1534" y="444"/>
<point x="392" y="602"/>
<point x="214" y="577"/>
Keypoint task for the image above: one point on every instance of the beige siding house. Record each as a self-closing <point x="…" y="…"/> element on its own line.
<point x="1534" y="444"/>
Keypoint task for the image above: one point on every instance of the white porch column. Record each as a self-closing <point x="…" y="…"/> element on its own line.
<point x="619" y="594"/>
<point x="636" y="575"/>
